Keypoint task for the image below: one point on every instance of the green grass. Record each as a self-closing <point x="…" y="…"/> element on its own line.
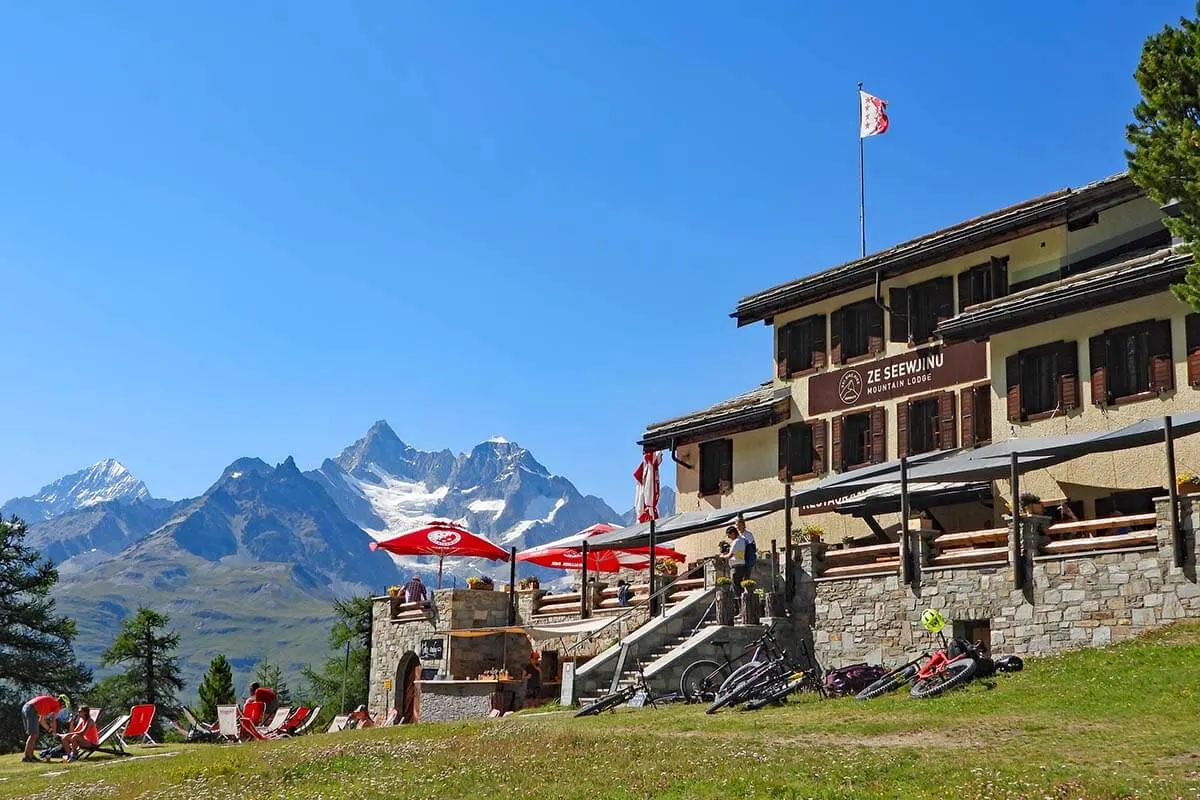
<point x="1117" y="722"/>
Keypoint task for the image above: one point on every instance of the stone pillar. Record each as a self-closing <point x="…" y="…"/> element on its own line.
<point x="1033" y="537"/>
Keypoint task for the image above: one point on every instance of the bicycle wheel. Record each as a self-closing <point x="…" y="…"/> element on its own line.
<point x="956" y="673"/>
<point x="776" y="695"/>
<point x="701" y="680"/>
<point x="739" y="675"/>
<point x="888" y="683"/>
<point x="604" y="703"/>
<point x="761" y="677"/>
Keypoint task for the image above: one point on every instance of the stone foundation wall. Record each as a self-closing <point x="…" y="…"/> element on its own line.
<point x="1063" y="603"/>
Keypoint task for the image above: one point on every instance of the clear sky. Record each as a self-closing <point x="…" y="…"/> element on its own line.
<point x="254" y="228"/>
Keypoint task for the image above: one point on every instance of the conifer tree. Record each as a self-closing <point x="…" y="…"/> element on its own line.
<point x="216" y="689"/>
<point x="147" y="651"/>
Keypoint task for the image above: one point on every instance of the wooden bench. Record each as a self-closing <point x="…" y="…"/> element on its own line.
<point x="1090" y="526"/>
<point x="969" y="538"/>
<point x="1120" y="540"/>
<point x="857" y="570"/>
<point x="970" y="555"/>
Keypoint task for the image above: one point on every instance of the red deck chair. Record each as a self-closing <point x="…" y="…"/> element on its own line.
<point x="138" y="727"/>
<point x="254" y="711"/>
<point x="250" y="731"/>
<point x="295" y="720"/>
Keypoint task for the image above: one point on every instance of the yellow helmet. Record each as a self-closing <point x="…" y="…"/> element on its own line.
<point x="932" y="620"/>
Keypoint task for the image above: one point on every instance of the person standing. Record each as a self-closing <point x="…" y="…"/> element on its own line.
<point x="39" y="714"/>
<point x="736" y="557"/>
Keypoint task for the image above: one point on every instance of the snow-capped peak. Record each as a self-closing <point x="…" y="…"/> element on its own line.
<point x="497" y="440"/>
<point x="102" y="482"/>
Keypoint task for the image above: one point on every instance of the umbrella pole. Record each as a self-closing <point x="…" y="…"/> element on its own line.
<point x="1014" y="536"/>
<point x="512" y="586"/>
<point x="440" y="560"/>
<point x="653" y="599"/>
<point x="1173" y="492"/>
<point x="584" y="611"/>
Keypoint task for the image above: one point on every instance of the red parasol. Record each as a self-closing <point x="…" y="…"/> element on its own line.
<point x="441" y="538"/>
<point x="567" y="554"/>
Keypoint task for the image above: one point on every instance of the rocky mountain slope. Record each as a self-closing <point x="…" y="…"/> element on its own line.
<point x="105" y="481"/>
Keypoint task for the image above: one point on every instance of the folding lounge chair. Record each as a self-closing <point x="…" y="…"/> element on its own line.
<point x="281" y="716"/>
<point x="294" y="721"/>
<point x="140" y="718"/>
<point x="94" y="713"/>
<point x="339" y="723"/>
<point x="227" y="723"/>
<point x="207" y="727"/>
<point x="254" y="711"/>
<point x="308" y="722"/>
<point x="251" y="731"/>
<point x="115" y="747"/>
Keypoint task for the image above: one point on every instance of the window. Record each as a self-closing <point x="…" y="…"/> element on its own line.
<point x="856" y="330"/>
<point x="801" y="450"/>
<point x="801" y="346"/>
<point x="716" y="467"/>
<point x="1042" y="380"/>
<point x="982" y="283"/>
<point x="976" y="415"/>
<point x="926" y="423"/>
<point x="859" y="439"/>
<point x="1191" y="325"/>
<point x="974" y="630"/>
<point x="917" y="310"/>
<point x="1131" y="361"/>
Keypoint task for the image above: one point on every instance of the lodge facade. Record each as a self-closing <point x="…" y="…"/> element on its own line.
<point x="1051" y="316"/>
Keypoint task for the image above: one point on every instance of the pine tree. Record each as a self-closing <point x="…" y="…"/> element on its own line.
<point x="1165" y="137"/>
<point x="151" y="666"/>
<point x="216" y="689"/>
<point x="353" y="626"/>
<point x="268" y="674"/>
<point x="35" y="642"/>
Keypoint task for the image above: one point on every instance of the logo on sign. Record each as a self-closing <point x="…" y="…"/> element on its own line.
<point x="444" y="538"/>
<point x="850" y="387"/>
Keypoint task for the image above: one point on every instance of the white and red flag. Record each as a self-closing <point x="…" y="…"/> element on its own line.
<point x="646" y="475"/>
<point x="872" y="115"/>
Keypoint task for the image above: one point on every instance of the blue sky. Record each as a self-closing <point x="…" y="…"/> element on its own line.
<point x="254" y="228"/>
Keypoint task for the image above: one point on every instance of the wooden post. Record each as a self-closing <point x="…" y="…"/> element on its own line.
<point x="1014" y="536"/>
<point x="905" y="565"/>
<point x="789" y="585"/>
<point x="1173" y="492"/>
<point x="512" y="586"/>
<point x="584" y="611"/>
<point x="653" y="560"/>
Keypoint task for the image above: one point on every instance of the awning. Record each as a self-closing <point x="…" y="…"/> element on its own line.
<point x="885" y="498"/>
<point x="679" y="525"/>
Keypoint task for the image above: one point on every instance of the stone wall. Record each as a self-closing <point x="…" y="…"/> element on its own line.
<point x="1063" y="602"/>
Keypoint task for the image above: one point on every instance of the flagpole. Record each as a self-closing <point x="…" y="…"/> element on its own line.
<point x="862" y="186"/>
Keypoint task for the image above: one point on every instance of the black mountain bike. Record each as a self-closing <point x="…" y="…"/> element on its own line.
<point x="900" y="676"/>
<point x="620" y="697"/>
<point x="703" y="679"/>
<point x="768" y="682"/>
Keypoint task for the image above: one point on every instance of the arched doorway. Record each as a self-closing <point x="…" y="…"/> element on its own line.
<point x="407" y="672"/>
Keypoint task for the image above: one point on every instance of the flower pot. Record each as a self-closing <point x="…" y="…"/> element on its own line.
<point x="724" y="605"/>
<point x="751" y="608"/>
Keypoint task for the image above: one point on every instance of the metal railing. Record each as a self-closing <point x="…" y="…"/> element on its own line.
<point x="661" y="593"/>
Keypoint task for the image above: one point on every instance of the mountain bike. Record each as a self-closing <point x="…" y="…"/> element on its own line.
<point x="703" y="679"/>
<point x="805" y="680"/>
<point x="775" y="678"/>
<point x="900" y="676"/>
<point x="621" y="696"/>
<point x="954" y="664"/>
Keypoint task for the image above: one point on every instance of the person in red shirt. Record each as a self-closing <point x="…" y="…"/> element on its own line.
<point x="83" y="734"/>
<point x="39" y="714"/>
<point x="266" y="696"/>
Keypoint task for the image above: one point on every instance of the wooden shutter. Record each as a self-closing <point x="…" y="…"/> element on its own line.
<point x="1192" y="330"/>
<point x="999" y="276"/>
<point x="902" y="429"/>
<point x="1066" y="363"/>
<point x="726" y="451"/>
<point x="782" y="348"/>
<point x="818" y="445"/>
<point x="965" y="279"/>
<point x="1012" y="374"/>
<point x="785" y="451"/>
<point x="898" y="302"/>
<point x="836" y="460"/>
<point x="1162" y="368"/>
<point x="968" y="417"/>
<point x="946" y="421"/>
<point x="818" y="340"/>
<point x="835" y="336"/>
<point x="875" y="330"/>
<point x="981" y="413"/>
<point x="878" y="436"/>
<point x="1098" y="354"/>
<point x="944" y="292"/>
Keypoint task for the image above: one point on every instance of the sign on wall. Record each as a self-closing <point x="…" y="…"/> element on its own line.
<point x="923" y="370"/>
<point x="431" y="649"/>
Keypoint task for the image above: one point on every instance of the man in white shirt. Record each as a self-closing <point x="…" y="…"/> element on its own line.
<point x="737" y="558"/>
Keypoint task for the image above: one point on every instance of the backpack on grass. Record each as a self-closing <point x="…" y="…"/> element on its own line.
<point x="852" y="679"/>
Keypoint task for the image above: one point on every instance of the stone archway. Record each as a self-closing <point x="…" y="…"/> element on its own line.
<point x="405" y="700"/>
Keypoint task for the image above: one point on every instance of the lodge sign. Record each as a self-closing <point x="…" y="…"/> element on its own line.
<point x="923" y="370"/>
<point x="431" y="650"/>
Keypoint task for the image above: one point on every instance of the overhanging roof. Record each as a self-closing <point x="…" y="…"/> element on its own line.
<point x="679" y="525"/>
<point x="997" y="227"/>
<point x="885" y="498"/>
<point x="761" y="407"/>
<point x="1116" y="283"/>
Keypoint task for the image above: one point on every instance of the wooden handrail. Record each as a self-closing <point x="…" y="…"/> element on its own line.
<point x="1127" y="521"/>
<point x="1132" y="539"/>
<point x="968" y="555"/>
<point x="853" y="570"/>
<point x="970" y="537"/>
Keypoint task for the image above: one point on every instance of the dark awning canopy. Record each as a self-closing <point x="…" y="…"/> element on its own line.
<point x="678" y="525"/>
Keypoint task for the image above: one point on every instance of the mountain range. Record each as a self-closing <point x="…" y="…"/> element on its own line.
<point x="249" y="567"/>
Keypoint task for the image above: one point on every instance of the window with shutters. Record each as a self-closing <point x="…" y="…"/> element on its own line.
<point x="801" y="346"/>
<point x="856" y="330"/>
<point x="982" y="283"/>
<point x="927" y="304"/>
<point x="1192" y="329"/>
<point x="716" y="467"/>
<point x="976" y="415"/>
<point x="802" y="450"/>
<point x="856" y="440"/>
<point x="1043" y="381"/>
<point x="922" y="426"/>
<point x="1132" y="362"/>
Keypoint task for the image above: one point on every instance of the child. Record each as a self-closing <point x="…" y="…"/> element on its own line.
<point x="83" y="735"/>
